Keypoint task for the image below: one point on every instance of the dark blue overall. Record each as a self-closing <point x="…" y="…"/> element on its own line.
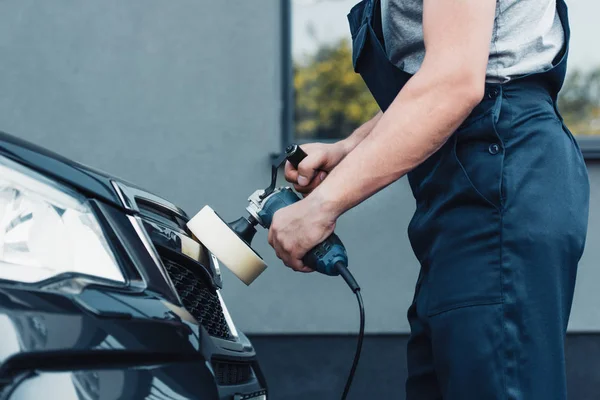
<point x="499" y="229"/>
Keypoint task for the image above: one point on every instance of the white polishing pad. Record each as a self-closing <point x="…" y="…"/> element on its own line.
<point x="232" y="251"/>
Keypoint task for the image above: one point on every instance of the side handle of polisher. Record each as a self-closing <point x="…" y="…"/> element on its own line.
<point x="294" y="154"/>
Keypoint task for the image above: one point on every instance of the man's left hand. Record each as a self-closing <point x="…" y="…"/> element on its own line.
<point x="298" y="228"/>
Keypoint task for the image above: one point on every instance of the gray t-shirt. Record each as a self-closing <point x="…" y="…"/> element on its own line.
<point x="527" y="36"/>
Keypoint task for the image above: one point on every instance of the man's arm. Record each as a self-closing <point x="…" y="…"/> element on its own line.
<point x="430" y="107"/>
<point x="361" y="133"/>
<point x="449" y="84"/>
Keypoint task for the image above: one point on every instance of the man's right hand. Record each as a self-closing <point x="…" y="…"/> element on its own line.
<point x="321" y="158"/>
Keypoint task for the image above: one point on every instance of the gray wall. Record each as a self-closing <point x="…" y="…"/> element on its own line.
<point x="183" y="98"/>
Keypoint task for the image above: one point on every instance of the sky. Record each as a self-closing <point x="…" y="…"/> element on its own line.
<point x="323" y="21"/>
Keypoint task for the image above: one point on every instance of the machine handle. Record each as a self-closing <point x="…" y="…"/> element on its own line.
<point x="323" y="257"/>
<point x="295" y="155"/>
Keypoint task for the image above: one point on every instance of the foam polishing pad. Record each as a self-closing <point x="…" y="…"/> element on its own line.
<point x="226" y="245"/>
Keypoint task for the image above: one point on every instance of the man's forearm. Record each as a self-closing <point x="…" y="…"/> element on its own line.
<point x="419" y="121"/>
<point x="360" y="133"/>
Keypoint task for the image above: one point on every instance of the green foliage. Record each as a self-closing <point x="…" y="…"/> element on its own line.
<point x="331" y="99"/>
<point x="579" y="102"/>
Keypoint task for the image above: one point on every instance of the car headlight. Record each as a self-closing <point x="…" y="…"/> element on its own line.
<point x="47" y="229"/>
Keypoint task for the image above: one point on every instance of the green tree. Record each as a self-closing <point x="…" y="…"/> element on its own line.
<point x="579" y="102"/>
<point x="331" y="99"/>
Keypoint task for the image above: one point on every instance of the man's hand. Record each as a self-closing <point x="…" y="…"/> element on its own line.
<point x="321" y="158"/>
<point x="298" y="228"/>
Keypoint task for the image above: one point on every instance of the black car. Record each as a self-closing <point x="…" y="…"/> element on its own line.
<point x="104" y="292"/>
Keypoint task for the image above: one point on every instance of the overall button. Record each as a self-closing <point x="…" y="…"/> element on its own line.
<point x="494" y="149"/>
<point x="493" y="93"/>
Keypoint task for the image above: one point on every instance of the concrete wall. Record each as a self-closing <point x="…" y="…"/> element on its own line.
<point x="183" y="98"/>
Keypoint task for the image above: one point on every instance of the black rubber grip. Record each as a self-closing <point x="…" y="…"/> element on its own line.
<point x="295" y="154"/>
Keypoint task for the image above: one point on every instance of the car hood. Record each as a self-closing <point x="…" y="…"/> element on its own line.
<point x="90" y="181"/>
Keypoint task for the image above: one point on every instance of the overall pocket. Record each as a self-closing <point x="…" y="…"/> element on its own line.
<point x="479" y="152"/>
<point x="459" y="231"/>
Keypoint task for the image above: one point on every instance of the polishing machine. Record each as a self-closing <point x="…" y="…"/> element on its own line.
<point x="230" y="242"/>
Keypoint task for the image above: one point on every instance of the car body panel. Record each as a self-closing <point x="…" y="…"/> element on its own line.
<point x="81" y="177"/>
<point x="177" y="381"/>
<point x="136" y="340"/>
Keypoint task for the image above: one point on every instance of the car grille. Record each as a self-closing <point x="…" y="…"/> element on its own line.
<point x="232" y="373"/>
<point x="198" y="298"/>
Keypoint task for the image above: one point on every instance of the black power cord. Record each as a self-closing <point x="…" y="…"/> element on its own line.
<point x="345" y="273"/>
<point x="361" y="335"/>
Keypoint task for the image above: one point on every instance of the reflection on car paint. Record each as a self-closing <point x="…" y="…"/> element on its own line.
<point x="173" y="382"/>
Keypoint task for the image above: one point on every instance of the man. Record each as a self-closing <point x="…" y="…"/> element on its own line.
<point x="469" y="114"/>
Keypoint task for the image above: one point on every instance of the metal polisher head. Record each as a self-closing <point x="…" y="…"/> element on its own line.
<point x="230" y="243"/>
